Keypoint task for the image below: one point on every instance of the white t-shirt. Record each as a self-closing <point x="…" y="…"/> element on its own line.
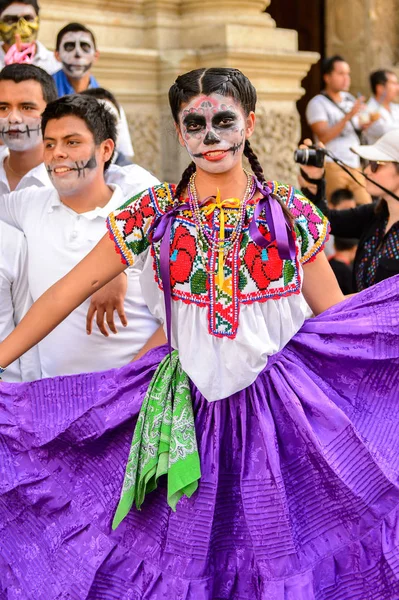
<point x="321" y="108"/>
<point x="15" y="300"/>
<point x="43" y="58"/>
<point x="389" y="119"/>
<point x="58" y="238"/>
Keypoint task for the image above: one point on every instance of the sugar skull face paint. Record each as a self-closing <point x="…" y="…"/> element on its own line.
<point x="70" y="155"/>
<point x="19" y="19"/>
<point x="213" y="131"/>
<point x="77" y="53"/>
<point x="21" y="105"/>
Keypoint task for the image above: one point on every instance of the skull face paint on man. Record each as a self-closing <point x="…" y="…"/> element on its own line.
<point x="19" y="19"/>
<point x="21" y="105"/>
<point x="70" y="155"/>
<point x="213" y="130"/>
<point x="77" y="53"/>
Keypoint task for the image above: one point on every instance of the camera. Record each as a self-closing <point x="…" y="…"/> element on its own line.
<point x="313" y="157"/>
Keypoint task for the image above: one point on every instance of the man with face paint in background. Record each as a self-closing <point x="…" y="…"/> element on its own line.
<point x="25" y="91"/>
<point x="76" y="49"/>
<point x="19" y="22"/>
<point x="62" y="224"/>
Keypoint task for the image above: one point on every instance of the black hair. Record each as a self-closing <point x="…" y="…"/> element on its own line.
<point x="99" y="120"/>
<point x="73" y="27"/>
<point x="341" y="195"/>
<point x="328" y="64"/>
<point x="6" y="3"/>
<point x="379" y="78"/>
<point x="102" y="94"/>
<point x="19" y="73"/>
<point x="227" y="82"/>
<point x="342" y="244"/>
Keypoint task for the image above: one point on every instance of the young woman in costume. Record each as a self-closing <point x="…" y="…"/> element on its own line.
<point x="277" y="436"/>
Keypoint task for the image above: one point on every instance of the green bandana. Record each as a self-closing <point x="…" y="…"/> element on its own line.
<point x="164" y="441"/>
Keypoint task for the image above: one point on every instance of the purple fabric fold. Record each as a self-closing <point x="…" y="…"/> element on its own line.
<point x="299" y="496"/>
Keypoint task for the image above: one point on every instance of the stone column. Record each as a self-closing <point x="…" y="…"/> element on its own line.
<point x="145" y="44"/>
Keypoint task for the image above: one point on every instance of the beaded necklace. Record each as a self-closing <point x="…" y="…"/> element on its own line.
<point x="221" y="244"/>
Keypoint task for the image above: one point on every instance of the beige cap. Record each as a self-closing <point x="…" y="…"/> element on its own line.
<point x="384" y="149"/>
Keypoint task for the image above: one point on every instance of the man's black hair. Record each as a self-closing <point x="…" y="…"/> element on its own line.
<point x="19" y="73"/>
<point x="328" y="64"/>
<point x="340" y="195"/>
<point x="6" y="3"/>
<point x="102" y="94"/>
<point x="379" y="77"/>
<point x="73" y="27"/>
<point x="99" y="120"/>
<point x="342" y="244"/>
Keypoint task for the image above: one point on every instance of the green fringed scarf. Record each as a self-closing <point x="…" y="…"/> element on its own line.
<point x="164" y="441"/>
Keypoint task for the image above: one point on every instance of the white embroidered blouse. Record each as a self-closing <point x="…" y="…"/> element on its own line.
<point x="224" y="334"/>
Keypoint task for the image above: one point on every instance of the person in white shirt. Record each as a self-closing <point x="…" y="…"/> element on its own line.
<point x="15" y="299"/>
<point x="63" y="223"/>
<point x="332" y="116"/>
<point x="25" y="91"/>
<point x="385" y="87"/>
<point x="19" y="27"/>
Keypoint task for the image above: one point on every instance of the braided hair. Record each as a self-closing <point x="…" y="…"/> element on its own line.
<point x="260" y="176"/>
<point x="227" y="82"/>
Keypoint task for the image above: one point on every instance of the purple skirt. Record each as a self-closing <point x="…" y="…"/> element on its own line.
<point x="299" y="495"/>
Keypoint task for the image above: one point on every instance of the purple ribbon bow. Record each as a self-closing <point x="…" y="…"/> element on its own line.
<point x="280" y="231"/>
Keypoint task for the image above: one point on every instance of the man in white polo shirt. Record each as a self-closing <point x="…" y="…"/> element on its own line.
<point x="25" y="91"/>
<point x="15" y="299"/>
<point x="63" y="223"/>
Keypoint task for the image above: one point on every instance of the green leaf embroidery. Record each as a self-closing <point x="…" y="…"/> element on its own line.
<point x="289" y="272"/>
<point x="198" y="282"/>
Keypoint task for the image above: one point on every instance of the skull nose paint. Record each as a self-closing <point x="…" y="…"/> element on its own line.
<point x="211" y="138"/>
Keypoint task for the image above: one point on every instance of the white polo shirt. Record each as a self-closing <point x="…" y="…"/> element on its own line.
<point x="15" y="300"/>
<point x="58" y="238"/>
<point x="44" y="58"/>
<point x="37" y="176"/>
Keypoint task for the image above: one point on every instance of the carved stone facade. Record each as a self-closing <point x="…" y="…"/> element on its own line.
<point x="366" y="33"/>
<point x="145" y="44"/>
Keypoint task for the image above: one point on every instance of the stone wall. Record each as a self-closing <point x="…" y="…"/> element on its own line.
<point x="145" y="44"/>
<point x="366" y="33"/>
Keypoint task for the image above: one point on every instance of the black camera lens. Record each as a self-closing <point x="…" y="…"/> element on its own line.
<point x="313" y="157"/>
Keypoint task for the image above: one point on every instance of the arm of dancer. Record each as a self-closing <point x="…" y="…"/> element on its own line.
<point x="100" y="266"/>
<point x="320" y="287"/>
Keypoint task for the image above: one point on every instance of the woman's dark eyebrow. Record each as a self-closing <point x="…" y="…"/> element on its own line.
<point x="224" y="114"/>
<point x="194" y="118"/>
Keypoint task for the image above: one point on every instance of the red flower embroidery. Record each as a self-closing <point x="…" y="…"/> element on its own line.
<point x="263" y="271"/>
<point x="183" y="251"/>
<point x="135" y="217"/>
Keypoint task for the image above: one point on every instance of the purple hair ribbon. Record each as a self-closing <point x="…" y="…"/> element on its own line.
<point x="280" y="230"/>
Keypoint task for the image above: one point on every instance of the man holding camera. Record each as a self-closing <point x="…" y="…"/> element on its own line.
<point x="333" y="116"/>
